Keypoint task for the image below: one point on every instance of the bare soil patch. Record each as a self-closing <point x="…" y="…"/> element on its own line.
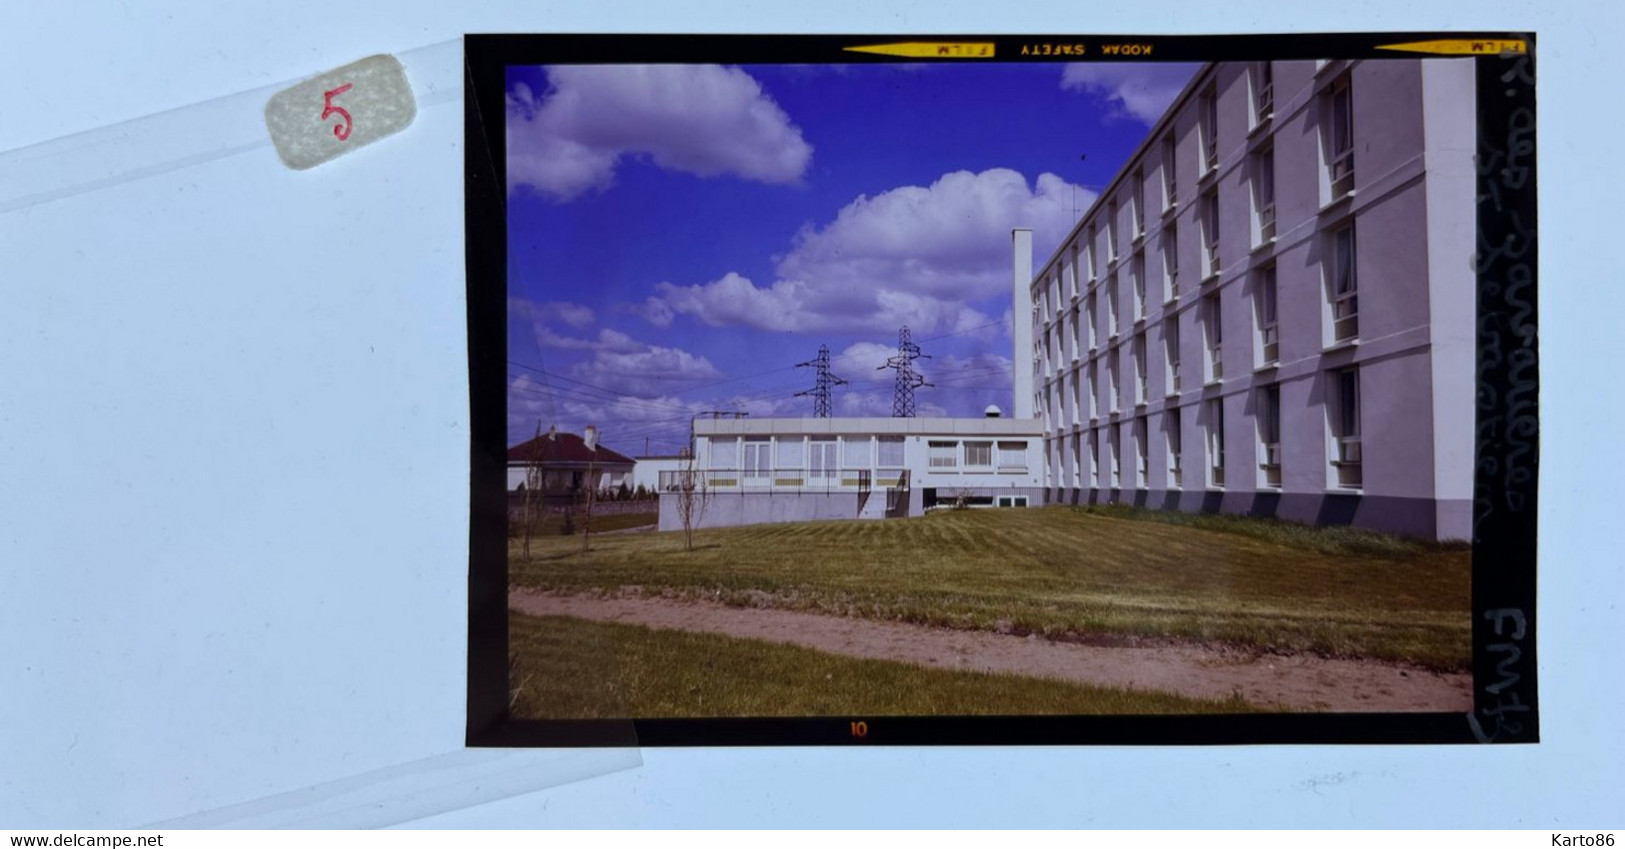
<point x="1292" y="682"/>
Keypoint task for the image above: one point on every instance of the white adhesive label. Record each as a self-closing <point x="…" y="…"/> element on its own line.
<point x="328" y="116"/>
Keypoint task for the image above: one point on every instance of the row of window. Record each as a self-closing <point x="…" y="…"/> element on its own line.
<point x="1341" y="296"/>
<point x="1338" y="154"/>
<point x="950" y="454"/>
<point x="822" y="457"/>
<point x="1342" y="306"/>
<point x="1336" y="123"/>
<point x="1102" y="464"/>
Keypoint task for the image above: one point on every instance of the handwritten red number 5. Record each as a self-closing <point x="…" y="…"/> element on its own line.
<point x="340" y="130"/>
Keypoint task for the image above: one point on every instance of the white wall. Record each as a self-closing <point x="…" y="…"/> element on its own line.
<point x="559" y="478"/>
<point x="647" y="471"/>
<point x="916" y="458"/>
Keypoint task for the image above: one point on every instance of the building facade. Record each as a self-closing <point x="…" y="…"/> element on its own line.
<point x="647" y="472"/>
<point x="750" y="471"/>
<point x="1270" y="310"/>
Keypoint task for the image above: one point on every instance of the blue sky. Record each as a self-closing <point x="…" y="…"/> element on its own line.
<point x="681" y="236"/>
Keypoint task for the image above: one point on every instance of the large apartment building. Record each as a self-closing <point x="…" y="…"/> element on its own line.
<point x="1270" y="309"/>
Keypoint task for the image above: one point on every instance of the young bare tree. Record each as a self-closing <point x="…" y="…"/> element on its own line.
<point x="591" y="440"/>
<point x="693" y="493"/>
<point x="535" y="492"/>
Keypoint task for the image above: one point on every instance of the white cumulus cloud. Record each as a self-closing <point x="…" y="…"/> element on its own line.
<point x="575" y="315"/>
<point x="1139" y="89"/>
<point x="625" y="421"/>
<point x="705" y="120"/>
<point x="733" y="300"/>
<point x="915" y="255"/>
<point x="647" y="370"/>
<point x="861" y="362"/>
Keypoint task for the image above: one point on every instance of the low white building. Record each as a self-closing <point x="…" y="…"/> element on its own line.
<point x="799" y="469"/>
<point x="648" y="470"/>
<point x="751" y="470"/>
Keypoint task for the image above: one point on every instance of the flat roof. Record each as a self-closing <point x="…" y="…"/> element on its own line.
<point x="920" y="425"/>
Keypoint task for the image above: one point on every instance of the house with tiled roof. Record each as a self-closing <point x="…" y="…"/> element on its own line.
<point x="562" y="462"/>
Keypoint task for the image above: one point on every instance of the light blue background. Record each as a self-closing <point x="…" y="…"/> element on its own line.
<point x="233" y="441"/>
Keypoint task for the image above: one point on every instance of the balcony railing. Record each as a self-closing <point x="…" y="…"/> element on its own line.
<point x="686" y="480"/>
<point x="775" y="478"/>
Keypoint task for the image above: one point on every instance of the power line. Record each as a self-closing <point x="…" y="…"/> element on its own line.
<point x="963" y="332"/>
<point x="603" y="389"/>
<point x="622" y="403"/>
<point x="611" y="393"/>
<point x="594" y="392"/>
<point x="908" y="379"/>
<point x="702" y="385"/>
<point x="670" y="424"/>
<point x="645" y="374"/>
<point x="969" y="370"/>
<point x="607" y="397"/>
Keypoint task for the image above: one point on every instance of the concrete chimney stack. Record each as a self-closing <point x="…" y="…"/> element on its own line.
<point x="1021" y="321"/>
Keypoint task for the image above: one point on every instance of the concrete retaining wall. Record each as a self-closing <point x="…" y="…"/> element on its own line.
<point x="727" y="509"/>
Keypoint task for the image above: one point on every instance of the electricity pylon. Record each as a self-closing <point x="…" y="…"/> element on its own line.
<point x="902" y="405"/>
<point x="821" y="385"/>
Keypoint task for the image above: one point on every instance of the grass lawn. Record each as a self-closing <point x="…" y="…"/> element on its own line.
<point x="573" y="669"/>
<point x="1063" y="571"/>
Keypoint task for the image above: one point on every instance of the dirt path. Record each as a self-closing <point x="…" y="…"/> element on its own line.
<point x="1299" y="682"/>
